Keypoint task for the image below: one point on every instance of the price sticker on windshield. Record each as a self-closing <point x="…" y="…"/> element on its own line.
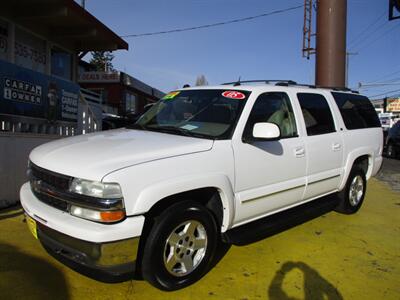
<point x="234" y="95"/>
<point x="170" y="95"/>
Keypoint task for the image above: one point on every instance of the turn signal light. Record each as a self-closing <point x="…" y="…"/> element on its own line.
<point x="97" y="215"/>
<point x="112" y="216"/>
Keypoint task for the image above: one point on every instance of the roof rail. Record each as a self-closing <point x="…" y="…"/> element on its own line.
<point x="266" y="81"/>
<point x="339" y="89"/>
<point x="280" y="82"/>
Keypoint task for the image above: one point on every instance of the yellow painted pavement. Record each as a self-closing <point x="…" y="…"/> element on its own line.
<point x="331" y="257"/>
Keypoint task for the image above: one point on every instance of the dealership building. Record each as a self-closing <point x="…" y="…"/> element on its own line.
<point x="41" y="45"/>
<point x="122" y="94"/>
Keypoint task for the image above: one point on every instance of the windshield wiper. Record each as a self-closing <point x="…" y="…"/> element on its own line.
<point x="180" y="131"/>
<point x="136" y="126"/>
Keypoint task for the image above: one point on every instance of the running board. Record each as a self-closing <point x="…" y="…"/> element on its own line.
<point x="276" y="223"/>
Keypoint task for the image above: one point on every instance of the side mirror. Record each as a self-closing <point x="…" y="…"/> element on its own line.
<point x="266" y="131"/>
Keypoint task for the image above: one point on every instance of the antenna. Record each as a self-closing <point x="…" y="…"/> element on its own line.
<point x="237" y="82"/>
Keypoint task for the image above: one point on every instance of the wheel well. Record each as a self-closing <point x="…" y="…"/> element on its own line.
<point x="363" y="163"/>
<point x="209" y="197"/>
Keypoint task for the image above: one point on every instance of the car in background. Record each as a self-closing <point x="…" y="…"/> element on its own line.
<point x="393" y="141"/>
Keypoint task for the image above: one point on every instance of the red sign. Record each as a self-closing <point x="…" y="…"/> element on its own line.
<point x="234" y="95"/>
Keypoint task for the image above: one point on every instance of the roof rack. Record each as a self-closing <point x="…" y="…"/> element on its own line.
<point x="267" y="81"/>
<point x="280" y="82"/>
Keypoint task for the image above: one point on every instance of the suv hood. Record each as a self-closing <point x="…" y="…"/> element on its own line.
<point x="92" y="156"/>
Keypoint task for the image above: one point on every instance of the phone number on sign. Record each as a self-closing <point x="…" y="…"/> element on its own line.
<point x="30" y="53"/>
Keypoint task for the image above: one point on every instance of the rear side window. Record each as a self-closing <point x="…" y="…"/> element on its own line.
<point x="357" y="111"/>
<point x="317" y="114"/>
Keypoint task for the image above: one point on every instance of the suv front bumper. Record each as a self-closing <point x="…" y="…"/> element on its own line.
<point x="109" y="262"/>
<point x="102" y="251"/>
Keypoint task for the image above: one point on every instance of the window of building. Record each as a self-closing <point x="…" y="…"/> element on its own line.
<point x="3" y="39"/>
<point x="272" y="108"/>
<point x="357" y="111"/>
<point x="130" y="103"/>
<point x="30" y="51"/>
<point x="61" y="63"/>
<point x="317" y="114"/>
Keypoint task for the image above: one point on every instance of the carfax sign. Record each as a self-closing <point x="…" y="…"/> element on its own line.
<point x="32" y="94"/>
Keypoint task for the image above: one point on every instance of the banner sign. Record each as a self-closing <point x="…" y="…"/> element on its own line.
<point x="99" y="77"/>
<point x="393" y="105"/>
<point x="32" y="94"/>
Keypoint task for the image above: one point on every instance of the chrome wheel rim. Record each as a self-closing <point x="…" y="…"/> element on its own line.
<point x="356" y="190"/>
<point x="185" y="248"/>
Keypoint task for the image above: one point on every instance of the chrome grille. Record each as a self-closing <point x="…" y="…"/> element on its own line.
<point x="54" y="181"/>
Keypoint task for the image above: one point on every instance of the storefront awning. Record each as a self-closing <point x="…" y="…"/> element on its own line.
<point x="64" y="22"/>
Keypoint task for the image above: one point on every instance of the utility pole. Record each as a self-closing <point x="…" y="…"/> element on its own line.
<point x="83" y="3"/>
<point x="347" y="65"/>
<point x="331" y="43"/>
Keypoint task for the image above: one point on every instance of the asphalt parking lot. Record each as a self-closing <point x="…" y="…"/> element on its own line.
<point x="330" y="257"/>
<point x="390" y="173"/>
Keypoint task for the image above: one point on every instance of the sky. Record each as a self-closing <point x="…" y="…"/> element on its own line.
<point x="263" y="48"/>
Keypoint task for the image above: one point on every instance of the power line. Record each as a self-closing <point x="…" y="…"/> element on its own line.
<point x="367" y="28"/>
<point x="365" y="38"/>
<point x="384" y="76"/>
<point x="275" y="12"/>
<point x="379" y="37"/>
<point x="384" y="94"/>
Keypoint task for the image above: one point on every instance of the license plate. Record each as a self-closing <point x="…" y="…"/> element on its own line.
<point x="32" y="226"/>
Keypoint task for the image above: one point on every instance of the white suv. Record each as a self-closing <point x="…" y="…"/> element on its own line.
<point x="203" y="163"/>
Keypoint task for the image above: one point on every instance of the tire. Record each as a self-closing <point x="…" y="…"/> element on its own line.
<point x="180" y="247"/>
<point x="391" y="151"/>
<point x="352" y="196"/>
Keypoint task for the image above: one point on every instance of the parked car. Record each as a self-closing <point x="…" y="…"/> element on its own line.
<point x="393" y="141"/>
<point x="199" y="166"/>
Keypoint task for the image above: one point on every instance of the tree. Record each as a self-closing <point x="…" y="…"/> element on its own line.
<point x="201" y="80"/>
<point x="102" y="60"/>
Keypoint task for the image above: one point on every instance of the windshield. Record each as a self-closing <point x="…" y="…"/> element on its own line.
<point x="197" y="113"/>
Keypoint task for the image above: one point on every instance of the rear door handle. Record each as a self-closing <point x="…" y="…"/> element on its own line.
<point x="299" y="152"/>
<point x="336" y="147"/>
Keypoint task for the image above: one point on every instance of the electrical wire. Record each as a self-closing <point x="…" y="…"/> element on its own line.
<point x="366" y="29"/>
<point x="275" y="12"/>
<point x="383" y="77"/>
<point x="379" y="37"/>
<point x="384" y="94"/>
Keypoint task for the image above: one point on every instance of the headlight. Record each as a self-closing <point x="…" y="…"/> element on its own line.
<point x="95" y="189"/>
<point x="108" y="194"/>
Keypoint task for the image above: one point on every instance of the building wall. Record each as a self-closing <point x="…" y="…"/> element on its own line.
<point x="15" y="149"/>
<point x="27" y="49"/>
<point x="115" y="94"/>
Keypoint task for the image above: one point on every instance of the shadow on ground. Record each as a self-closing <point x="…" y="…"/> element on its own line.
<point x="23" y="276"/>
<point x="315" y="286"/>
<point x="279" y="222"/>
<point x="10" y="212"/>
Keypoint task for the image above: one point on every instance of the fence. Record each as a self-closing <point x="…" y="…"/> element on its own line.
<point x="20" y="134"/>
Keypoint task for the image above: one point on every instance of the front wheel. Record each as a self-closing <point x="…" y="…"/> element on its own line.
<point x="352" y="196"/>
<point x="180" y="246"/>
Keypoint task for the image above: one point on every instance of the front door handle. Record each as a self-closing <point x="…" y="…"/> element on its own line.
<point x="299" y="152"/>
<point x="336" y="147"/>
